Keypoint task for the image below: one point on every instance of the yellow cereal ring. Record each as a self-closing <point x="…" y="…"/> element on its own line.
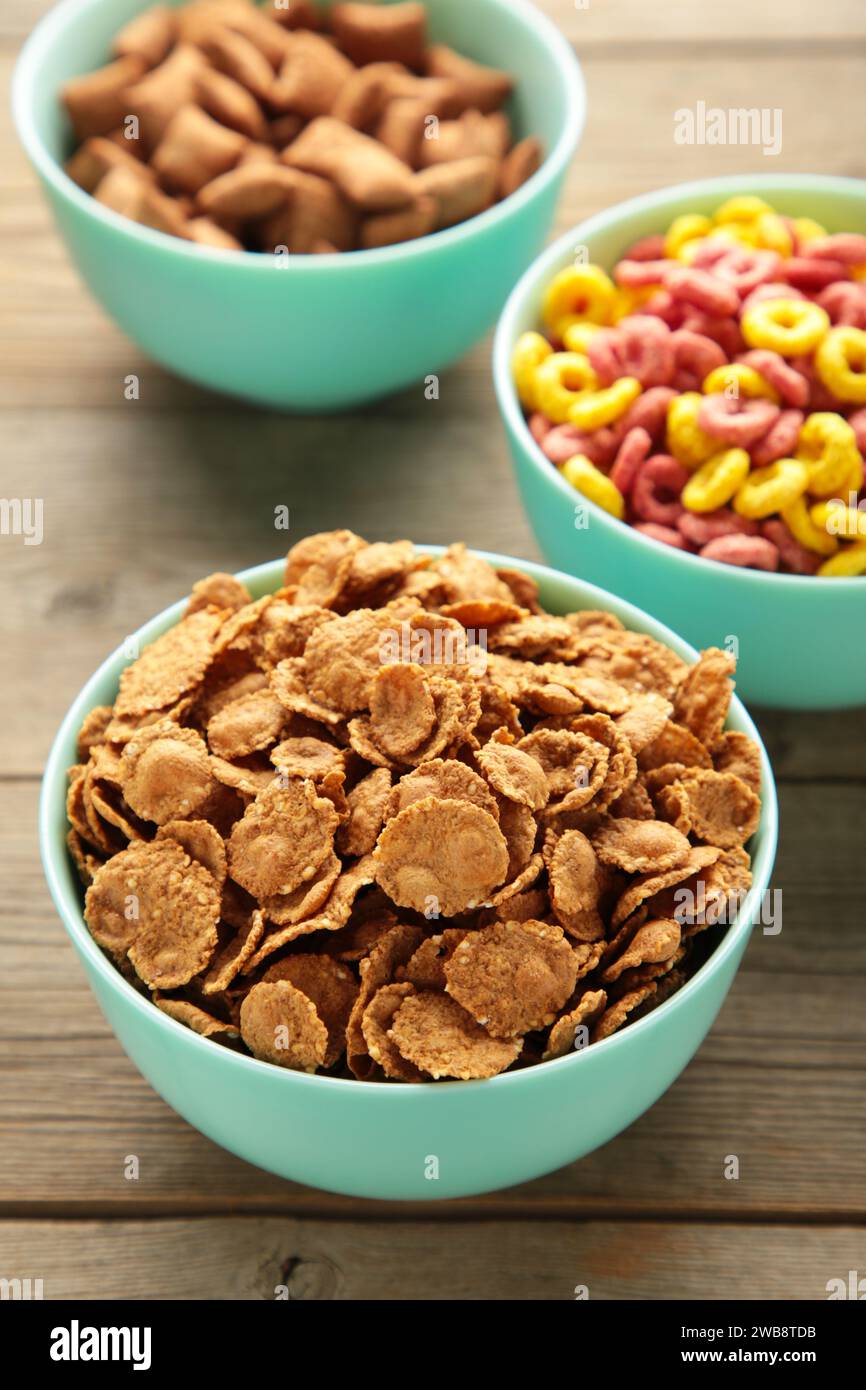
<point x="846" y="564"/>
<point x="692" y="226"/>
<point x="767" y="490"/>
<point x="716" y="481"/>
<point x="744" y="207"/>
<point x="747" y="381"/>
<point x="841" y="363"/>
<point x="560" y="380"/>
<point x="790" y="327"/>
<point x="592" y="483"/>
<point x="828" y="447"/>
<point x="529" y="352"/>
<point x="686" y="440"/>
<point x="577" y="293"/>
<point x="838" y="519"/>
<point x="576" y="336"/>
<point x="773" y="235"/>
<point x="806" y="229"/>
<point x="798" y="521"/>
<point x="593" y="409"/>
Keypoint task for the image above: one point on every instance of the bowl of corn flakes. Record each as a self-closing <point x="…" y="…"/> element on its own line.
<point x="306" y="205"/>
<point x="406" y="873"/>
<point x="683" y="384"/>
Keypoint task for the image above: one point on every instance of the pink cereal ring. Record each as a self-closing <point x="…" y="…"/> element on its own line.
<point x="857" y="421"/>
<point x="666" y="534"/>
<point x="845" y="302"/>
<point x="655" y="492"/>
<point x="647" y="352"/>
<point x="605" y="353"/>
<point x="629" y="456"/>
<point x="564" y="441"/>
<point x="749" y="552"/>
<point x="661" y="305"/>
<point x="776" y="290"/>
<point x="539" y="426"/>
<point x="649" y="248"/>
<point x="746" y="270"/>
<point x="794" y="556"/>
<point x="699" y="528"/>
<point x="805" y="274"/>
<point x="739" y="422"/>
<point x="791" y="385"/>
<point x="635" y="275"/>
<point x="649" y="412"/>
<point x="725" y="332"/>
<point x="710" y="251"/>
<point x="702" y="289"/>
<point x="695" y="356"/>
<point x="847" y="247"/>
<point x="780" y="441"/>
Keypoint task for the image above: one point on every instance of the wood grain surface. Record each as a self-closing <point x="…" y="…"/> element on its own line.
<point x="140" y="499"/>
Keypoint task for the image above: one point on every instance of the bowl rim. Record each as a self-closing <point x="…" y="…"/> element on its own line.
<point x="266" y="577"/>
<point x="548" y="262"/>
<point x="54" y="23"/>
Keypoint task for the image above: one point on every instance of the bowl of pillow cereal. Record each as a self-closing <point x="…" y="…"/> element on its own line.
<point x="307" y="205"/>
<point x="683" y="382"/>
<point x="404" y="873"/>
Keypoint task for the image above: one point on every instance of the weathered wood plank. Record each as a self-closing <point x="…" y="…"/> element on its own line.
<point x="242" y="1258"/>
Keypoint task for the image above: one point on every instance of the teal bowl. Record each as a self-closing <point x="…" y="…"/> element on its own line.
<point x="800" y="639"/>
<point x="315" y="333"/>
<point x="378" y="1140"/>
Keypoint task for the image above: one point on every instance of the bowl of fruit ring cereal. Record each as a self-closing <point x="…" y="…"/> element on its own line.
<point x="683" y="383"/>
<point x="408" y="874"/>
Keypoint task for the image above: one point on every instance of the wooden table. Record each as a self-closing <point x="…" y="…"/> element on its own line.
<point x="143" y="497"/>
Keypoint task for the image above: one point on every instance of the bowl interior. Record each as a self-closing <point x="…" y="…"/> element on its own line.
<point x="838" y="203"/>
<point x="76" y="37"/>
<point x="559" y="593"/>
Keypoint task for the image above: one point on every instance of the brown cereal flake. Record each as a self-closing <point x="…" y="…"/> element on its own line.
<point x="512" y="977"/>
<point x="515" y="773"/>
<point x="332" y="987"/>
<point x="402" y="711"/>
<point x="202" y="842"/>
<point x="166" y="772"/>
<point x="282" y="839"/>
<point x="178" y="905"/>
<point x="704" y="695"/>
<point x="575" y="886"/>
<point x="307" y="756"/>
<point x="279" y="1024"/>
<point x="723" y="810"/>
<point x="444" y="852"/>
<point x="653" y="942"/>
<point x="640" y="846"/>
<point x="366" y="803"/>
<point x="737" y="753"/>
<point x="191" y="1016"/>
<point x="218" y="591"/>
<point x="674" y="743"/>
<point x="171" y="666"/>
<point x="444" y="779"/>
<point x="442" y="1039"/>
<point x="247" y="725"/>
<point x="231" y="959"/>
<point x="376" y="1022"/>
<point x="613" y="1018"/>
<point x="562" y="1036"/>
